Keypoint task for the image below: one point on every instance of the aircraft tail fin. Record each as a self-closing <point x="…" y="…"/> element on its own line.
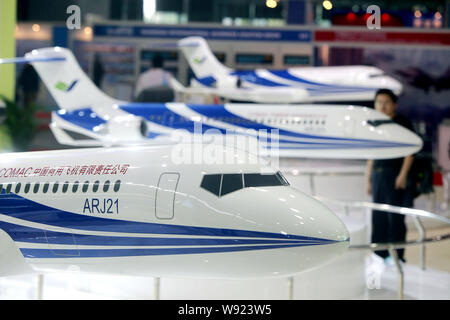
<point x="177" y="86"/>
<point x="67" y="82"/>
<point x="201" y="59"/>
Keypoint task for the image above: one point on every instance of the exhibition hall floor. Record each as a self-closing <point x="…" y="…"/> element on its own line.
<point x="429" y="284"/>
<point x="419" y="284"/>
<point x="355" y="275"/>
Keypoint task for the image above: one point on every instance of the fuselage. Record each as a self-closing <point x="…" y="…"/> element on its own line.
<point x="150" y="211"/>
<point x="301" y="85"/>
<point x="285" y="131"/>
<point x="294" y="85"/>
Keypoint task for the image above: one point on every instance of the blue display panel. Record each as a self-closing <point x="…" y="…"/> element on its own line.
<point x="228" y="33"/>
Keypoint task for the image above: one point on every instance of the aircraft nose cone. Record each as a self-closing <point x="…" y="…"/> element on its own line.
<point x="395" y="85"/>
<point x="325" y="236"/>
<point x="319" y="221"/>
<point x="310" y="234"/>
<point x="416" y="141"/>
<point x="413" y="143"/>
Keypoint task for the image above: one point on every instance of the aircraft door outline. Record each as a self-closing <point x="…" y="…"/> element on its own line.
<point x="165" y="195"/>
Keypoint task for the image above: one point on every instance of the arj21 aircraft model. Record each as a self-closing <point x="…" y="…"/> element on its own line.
<point x="135" y="211"/>
<point x="325" y="131"/>
<point x="343" y="84"/>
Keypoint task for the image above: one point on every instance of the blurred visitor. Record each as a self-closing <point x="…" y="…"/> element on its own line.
<point x="389" y="181"/>
<point x="154" y="85"/>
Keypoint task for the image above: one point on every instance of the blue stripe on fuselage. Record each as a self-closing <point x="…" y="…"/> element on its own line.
<point x="96" y="253"/>
<point x="22" y="208"/>
<point x="25" y="234"/>
<point x="314" y="88"/>
<point x="220" y="112"/>
<point x="252" y="77"/>
<point x="159" y="113"/>
<point x="317" y="86"/>
<point x="207" y="81"/>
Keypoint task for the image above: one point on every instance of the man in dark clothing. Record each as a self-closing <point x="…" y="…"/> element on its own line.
<point x="389" y="182"/>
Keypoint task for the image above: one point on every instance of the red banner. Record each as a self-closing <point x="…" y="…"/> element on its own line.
<point x="388" y="37"/>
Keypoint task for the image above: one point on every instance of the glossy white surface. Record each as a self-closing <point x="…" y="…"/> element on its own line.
<point x="317" y="131"/>
<point x="251" y="232"/>
<point x="300" y="85"/>
<point x="337" y="283"/>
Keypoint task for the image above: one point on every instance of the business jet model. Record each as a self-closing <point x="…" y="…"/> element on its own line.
<point x="315" y="131"/>
<point x="142" y="211"/>
<point x="294" y="85"/>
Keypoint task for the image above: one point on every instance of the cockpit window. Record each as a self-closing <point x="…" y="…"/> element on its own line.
<point x="282" y="179"/>
<point x="377" y="75"/>
<point x="211" y="182"/>
<point x="222" y="184"/>
<point x="230" y="183"/>
<point x="264" y="180"/>
<point x="377" y="123"/>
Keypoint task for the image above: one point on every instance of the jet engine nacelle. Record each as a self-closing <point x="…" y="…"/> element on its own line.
<point x="127" y="128"/>
<point x="228" y="82"/>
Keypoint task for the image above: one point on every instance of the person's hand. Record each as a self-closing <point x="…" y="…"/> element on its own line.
<point x="400" y="182"/>
<point x="369" y="188"/>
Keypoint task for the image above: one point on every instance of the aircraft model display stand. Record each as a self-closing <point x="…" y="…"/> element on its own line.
<point x="156" y="287"/>
<point x="40" y="286"/>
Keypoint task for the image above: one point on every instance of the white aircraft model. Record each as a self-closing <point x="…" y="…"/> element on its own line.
<point x="137" y="211"/>
<point x="324" y="131"/>
<point x="293" y="85"/>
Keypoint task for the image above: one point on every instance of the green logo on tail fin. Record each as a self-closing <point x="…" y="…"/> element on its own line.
<point x="61" y="86"/>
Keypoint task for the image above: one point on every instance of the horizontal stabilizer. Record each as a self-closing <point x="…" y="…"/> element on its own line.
<point x="63" y="138"/>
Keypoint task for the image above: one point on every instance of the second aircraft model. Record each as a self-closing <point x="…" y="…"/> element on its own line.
<point x="343" y="84"/>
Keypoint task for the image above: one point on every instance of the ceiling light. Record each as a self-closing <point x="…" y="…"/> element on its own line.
<point x="327" y="5"/>
<point x="271" y="4"/>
